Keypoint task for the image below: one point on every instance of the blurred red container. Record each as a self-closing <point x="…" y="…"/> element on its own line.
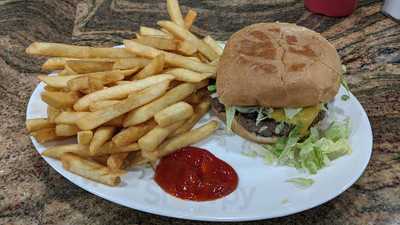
<point x="334" y="8"/>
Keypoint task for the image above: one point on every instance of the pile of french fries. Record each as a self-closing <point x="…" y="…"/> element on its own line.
<point x="126" y="106"/>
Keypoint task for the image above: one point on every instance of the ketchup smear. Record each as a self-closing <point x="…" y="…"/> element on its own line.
<point x="195" y="174"/>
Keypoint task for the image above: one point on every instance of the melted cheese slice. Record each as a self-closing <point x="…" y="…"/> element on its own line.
<point x="303" y="119"/>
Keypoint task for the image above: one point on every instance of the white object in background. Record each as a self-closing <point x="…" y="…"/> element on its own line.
<point x="392" y="8"/>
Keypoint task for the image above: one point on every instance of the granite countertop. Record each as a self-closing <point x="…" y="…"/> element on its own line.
<point x="31" y="192"/>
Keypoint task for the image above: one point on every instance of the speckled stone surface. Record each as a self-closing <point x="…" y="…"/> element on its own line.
<point x="31" y="192"/>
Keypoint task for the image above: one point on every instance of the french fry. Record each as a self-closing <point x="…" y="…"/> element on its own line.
<point x="202" y="58"/>
<point x="148" y="31"/>
<point x="190" y="18"/>
<point x="95" y="85"/>
<point x="52" y="113"/>
<point x="156" y="136"/>
<point x="45" y="135"/>
<point x="111" y="148"/>
<point x="197" y="97"/>
<point x="67" y="71"/>
<point x="78" y="83"/>
<point x="186" y="47"/>
<point x="102" y="159"/>
<point x="88" y="66"/>
<point x="188" y="75"/>
<point x="132" y="134"/>
<point x="154" y="67"/>
<point x="215" y="62"/>
<point x="100" y="136"/>
<point x="136" y="159"/>
<point x="90" y="169"/>
<point x="170" y="58"/>
<point x="146" y="112"/>
<point x="95" y="106"/>
<point x="116" y="161"/>
<point x="58" y="63"/>
<point x="130" y="63"/>
<point x="213" y="44"/>
<point x="37" y="124"/>
<point x="182" y="140"/>
<point x="181" y="33"/>
<point x="84" y="137"/>
<point x="201" y="84"/>
<point x="116" y="122"/>
<point x="69" y="117"/>
<point x="56" y="81"/>
<point x="120" y="91"/>
<point x="200" y="110"/>
<point x="60" y="100"/>
<point x="95" y="119"/>
<point x="66" y="130"/>
<point x="173" y="113"/>
<point x="174" y="12"/>
<point x="57" y="151"/>
<point x="158" y="42"/>
<point x="50" y="88"/>
<point x="73" y="51"/>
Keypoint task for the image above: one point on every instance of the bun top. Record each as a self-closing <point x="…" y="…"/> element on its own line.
<point x="278" y="65"/>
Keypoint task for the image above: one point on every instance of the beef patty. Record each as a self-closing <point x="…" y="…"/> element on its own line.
<point x="265" y="128"/>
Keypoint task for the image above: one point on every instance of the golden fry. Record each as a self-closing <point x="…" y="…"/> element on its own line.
<point x="188" y="75"/>
<point x="173" y="113"/>
<point x="84" y="137"/>
<point x="116" y="161"/>
<point x="182" y="140"/>
<point x="73" y="51"/>
<point x="94" y="106"/>
<point x="148" y="31"/>
<point x="116" y="122"/>
<point x="190" y="18"/>
<point x="156" y="136"/>
<point x="170" y="58"/>
<point x="95" y="119"/>
<point x="111" y="148"/>
<point x="66" y="130"/>
<point x="213" y="44"/>
<point x="60" y="100"/>
<point x="174" y="12"/>
<point x="130" y="63"/>
<point x="186" y="47"/>
<point x="197" y="97"/>
<point x="52" y="113"/>
<point x="37" y="124"/>
<point x="132" y="134"/>
<point x="89" y="66"/>
<point x="154" y="67"/>
<point x="90" y="169"/>
<point x="199" y="111"/>
<point x="183" y="34"/>
<point x="146" y="112"/>
<point x="69" y="117"/>
<point x="45" y="135"/>
<point x="56" y="81"/>
<point x="120" y="91"/>
<point x="57" y="151"/>
<point x="100" y="136"/>
<point x="158" y="42"/>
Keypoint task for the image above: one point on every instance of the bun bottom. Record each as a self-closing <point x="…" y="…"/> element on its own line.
<point x="241" y="131"/>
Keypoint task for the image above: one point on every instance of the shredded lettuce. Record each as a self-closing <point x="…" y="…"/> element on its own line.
<point x="346" y="96"/>
<point x="313" y="153"/>
<point x="291" y="112"/>
<point x="302" y="182"/>
<point x="212" y="88"/>
<point x="279" y="128"/>
<point x="230" y="112"/>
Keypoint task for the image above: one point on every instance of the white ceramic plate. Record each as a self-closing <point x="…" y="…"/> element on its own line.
<point x="262" y="192"/>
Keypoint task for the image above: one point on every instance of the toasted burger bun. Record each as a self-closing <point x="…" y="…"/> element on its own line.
<point x="278" y="65"/>
<point x="241" y="131"/>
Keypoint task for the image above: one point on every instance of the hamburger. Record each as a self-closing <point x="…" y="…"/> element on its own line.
<point x="273" y="78"/>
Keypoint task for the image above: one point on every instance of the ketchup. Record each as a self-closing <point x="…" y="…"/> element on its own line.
<point x="335" y="8"/>
<point x="195" y="174"/>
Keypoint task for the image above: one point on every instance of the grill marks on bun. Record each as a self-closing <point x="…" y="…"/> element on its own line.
<point x="278" y="65"/>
